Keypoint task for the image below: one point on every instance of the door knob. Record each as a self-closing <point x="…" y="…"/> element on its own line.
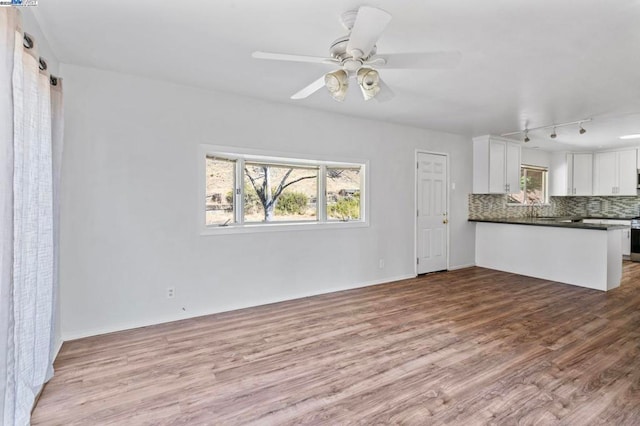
<point x="445" y="221"/>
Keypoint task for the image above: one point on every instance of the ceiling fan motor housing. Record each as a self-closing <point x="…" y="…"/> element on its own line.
<point x="338" y="50"/>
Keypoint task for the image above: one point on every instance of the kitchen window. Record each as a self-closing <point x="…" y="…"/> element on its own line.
<point x="244" y="192"/>
<point x="533" y="186"/>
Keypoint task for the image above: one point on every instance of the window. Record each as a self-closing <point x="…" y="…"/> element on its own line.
<point x="343" y="193"/>
<point x="253" y="191"/>
<point x="220" y="189"/>
<point x="280" y="193"/>
<point x="533" y="186"/>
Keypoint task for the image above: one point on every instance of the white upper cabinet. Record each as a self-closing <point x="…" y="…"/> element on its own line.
<point x="496" y="166"/>
<point x="580" y="173"/>
<point x="605" y="173"/>
<point x="627" y="172"/>
<point x="615" y="172"/>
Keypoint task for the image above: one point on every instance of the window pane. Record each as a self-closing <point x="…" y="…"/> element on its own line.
<point x="280" y="193"/>
<point x="343" y="193"/>
<point x="518" y="197"/>
<point x="220" y="185"/>
<point x="535" y="186"/>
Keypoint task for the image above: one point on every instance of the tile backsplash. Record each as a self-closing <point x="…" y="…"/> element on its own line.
<point x="616" y="206"/>
<point x="494" y="206"/>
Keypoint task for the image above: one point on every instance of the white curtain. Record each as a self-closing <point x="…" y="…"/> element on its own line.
<point x="31" y="146"/>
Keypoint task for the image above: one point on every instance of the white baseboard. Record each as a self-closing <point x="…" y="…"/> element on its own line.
<point x="57" y="350"/>
<point x="454" y="268"/>
<point x="114" y="328"/>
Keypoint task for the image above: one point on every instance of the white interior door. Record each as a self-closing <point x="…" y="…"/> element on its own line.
<point x="432" y="214"/>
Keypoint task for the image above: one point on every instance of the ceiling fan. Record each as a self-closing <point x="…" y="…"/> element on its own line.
<point x="356" y="55"/>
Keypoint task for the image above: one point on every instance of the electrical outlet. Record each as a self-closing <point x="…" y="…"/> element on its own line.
<point x="171" y="292"/>
<point x="381" y="264"/>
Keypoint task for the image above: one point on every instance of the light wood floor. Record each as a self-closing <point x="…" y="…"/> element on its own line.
<point x="468" y="347"/>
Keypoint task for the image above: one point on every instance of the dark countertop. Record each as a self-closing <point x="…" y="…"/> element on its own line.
<point x="608" y="217"/>
<point x="556" y="222"/>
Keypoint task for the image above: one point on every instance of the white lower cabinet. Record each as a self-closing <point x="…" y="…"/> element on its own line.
<point x="626" y="233"/>
<point x="626" y="242"/>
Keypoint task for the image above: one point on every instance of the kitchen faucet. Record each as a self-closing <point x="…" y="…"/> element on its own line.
<point x="534" y="209"/>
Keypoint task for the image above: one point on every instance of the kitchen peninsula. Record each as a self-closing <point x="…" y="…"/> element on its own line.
<point x="557" y="249"/>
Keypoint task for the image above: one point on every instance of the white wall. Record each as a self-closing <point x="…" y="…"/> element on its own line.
<point x="130" y="180"/>
<point x="536" y="157"/>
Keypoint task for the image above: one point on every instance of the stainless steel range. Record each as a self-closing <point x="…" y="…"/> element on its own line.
<point x="635" y="239"/>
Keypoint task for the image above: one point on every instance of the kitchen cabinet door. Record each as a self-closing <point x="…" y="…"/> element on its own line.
<point x="497" y="165"/>
<point x="605" y="173"/>
<point x="627" y="172"/>
<point x="626" y="242"/>
<point x="512" y="168"/>
<point x="582" y="173"/>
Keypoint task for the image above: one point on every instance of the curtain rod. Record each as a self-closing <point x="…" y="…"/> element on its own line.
<point x="28" y="43"/>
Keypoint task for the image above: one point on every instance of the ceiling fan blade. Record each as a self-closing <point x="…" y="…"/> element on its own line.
<point x="369" y="25"/>
<point x="418" y="60"/>
<point x="310" y="89"/>
<point x="385" y="94"/>
<point x="293" y="58"/>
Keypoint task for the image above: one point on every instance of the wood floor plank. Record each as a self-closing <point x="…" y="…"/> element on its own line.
<point x="467" y="347"/>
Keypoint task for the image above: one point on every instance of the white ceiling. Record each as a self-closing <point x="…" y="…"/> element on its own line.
<point x="525" y="63"/>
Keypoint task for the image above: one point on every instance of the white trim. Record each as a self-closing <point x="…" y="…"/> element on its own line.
<point x="415" y="207"/>
<point x="456" y="267"/>
<point x="233" y="307"/>
<point x="243" y="154"/>
<point x="280" y="226"/>
<point x="59" y="344"/>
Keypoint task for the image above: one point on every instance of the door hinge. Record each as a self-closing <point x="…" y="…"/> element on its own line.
<point x="417" y="260"/>
<point x="417" y="165"/>
<point x="417" y="213"/>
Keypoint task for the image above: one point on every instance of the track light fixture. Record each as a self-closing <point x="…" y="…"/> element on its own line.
<point x="553" y="135"/>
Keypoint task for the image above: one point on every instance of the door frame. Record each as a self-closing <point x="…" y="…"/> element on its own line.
<point x="415" y="205"/>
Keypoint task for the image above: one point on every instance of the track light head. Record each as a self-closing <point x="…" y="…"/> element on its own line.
<point x="582" y="130"/>
<point x="554" y="134"/>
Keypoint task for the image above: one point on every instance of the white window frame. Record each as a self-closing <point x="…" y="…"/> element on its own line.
<point x="546" y="185"/>
<point x="240" y="155"/>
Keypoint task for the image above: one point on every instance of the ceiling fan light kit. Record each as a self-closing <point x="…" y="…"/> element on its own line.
<point x="369" y="82"/>
<point x="356" y="55"/>
<point x="337" y="83"/>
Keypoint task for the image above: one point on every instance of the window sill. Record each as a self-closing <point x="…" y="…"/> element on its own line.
<point x="280" y="227"/>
